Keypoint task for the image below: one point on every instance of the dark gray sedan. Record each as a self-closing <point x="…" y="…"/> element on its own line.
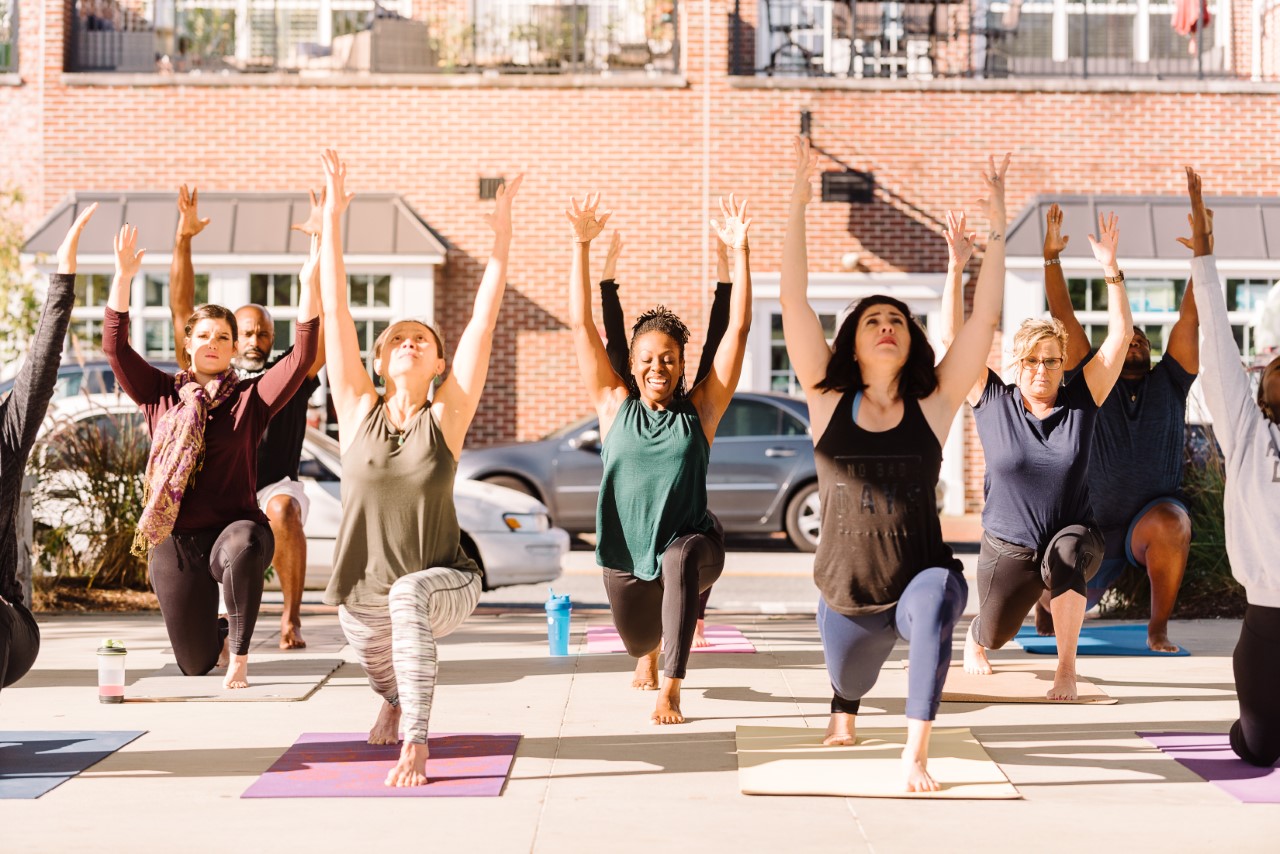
<point x="762" y="477"/>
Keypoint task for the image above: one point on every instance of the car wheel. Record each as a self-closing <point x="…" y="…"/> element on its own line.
<point x="512" y="482"/>
<point x="804" y="515"/>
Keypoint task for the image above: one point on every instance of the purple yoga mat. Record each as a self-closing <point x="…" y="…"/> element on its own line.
<point x="345" y="765"/>
<point x="1209" y="754"/>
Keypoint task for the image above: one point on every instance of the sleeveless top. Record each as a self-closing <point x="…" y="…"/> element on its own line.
<point x="880" y="523"/>
<point x="398" y="514"/>
<point x="654" y="487"/>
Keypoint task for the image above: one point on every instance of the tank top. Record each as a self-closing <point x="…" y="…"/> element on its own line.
<point x="398" y="514"/>
<point x="879" y="515"/>
<point x="654" y="487"/>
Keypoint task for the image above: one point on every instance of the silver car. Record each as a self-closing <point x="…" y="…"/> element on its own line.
<point x="761" y="479"/>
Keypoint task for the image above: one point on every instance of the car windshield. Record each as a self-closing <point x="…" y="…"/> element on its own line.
<point x="571" y="427"/>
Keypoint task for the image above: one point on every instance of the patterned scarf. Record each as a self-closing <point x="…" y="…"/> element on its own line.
<point x="177" y="452"/>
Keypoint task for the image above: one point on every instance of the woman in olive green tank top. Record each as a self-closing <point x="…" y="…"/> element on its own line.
<point x="656" y="544"/>
<point x="399" y="569"/>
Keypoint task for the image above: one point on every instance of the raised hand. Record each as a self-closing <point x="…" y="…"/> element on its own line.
<point x="586" y="225"/>
<point x="189" y="222"/>
<point x="315" y="217"/>
<point x="611" y="259"/>
<point x="1104" y="246"/>
<point x="70" y="243"/>
<point x="1200" y="218"/>
<point x="959" y="239"/>
<point x="128" y="256"/>
<point x="733" y="233"/>
<point x="336" y="197"/>
<point x="993" y="204"/>
<point x="311" y="266"/>
<point x="806" y="166"/>
<point x="500" y="219"/>
<point x="1054" y="240"/>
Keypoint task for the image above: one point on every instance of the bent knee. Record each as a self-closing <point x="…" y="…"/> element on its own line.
<point x="283" y="510"/>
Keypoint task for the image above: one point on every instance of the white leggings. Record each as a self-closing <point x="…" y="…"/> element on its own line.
<point x="396" y="643"/>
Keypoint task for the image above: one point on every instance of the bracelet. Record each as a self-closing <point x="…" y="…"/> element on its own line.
<point x="1049" y="262"/>
<point x="1118" y="279"/>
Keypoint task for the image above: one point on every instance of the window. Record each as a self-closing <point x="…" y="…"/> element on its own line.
<point x="1145" y="294"/>
<point x="273" y="289"/>
<point x="781" y="377"/>
<point x="92" y="289"/>
<point x="367" y="332"/>
<point x="86" y="336"/>
<point x="369" y="291"/>
<point x="156" y="290"/>
<point x="748" y="418"/>
<point x="1247" y="294"/>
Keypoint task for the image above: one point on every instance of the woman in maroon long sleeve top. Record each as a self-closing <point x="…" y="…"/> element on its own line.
<point x="218" y="534"/>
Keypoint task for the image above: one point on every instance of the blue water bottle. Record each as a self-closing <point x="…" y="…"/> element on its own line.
<point x="558" y="611"/>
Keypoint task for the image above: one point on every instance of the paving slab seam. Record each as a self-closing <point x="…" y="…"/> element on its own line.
<point x="555" y="756"/>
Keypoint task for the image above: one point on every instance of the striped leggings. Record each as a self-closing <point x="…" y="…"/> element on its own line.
<point x="396" y="644"/>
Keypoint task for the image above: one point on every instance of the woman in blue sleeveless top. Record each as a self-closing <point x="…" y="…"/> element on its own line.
<point x="657" y="545"/>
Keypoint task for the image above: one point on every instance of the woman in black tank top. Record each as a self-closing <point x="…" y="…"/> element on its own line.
<point x="879" y="411"/>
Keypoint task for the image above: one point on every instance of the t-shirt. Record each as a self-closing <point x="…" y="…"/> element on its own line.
<point x="1037" y="470"/>
<point x="281" y="446"/>
<point x="1138" y="443"/>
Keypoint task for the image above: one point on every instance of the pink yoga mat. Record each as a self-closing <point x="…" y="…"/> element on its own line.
<point x="345" y="765"/>
<point x="723" y="639"/>
<point x="1209" y="754"/>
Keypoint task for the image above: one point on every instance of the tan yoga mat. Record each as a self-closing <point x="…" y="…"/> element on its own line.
<point x="1016" y="682"/>
<point x="284" y="680"/>
<point x="793" y="761"/>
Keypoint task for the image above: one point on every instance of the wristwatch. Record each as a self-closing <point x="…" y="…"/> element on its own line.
<point x="1118" y="279"/>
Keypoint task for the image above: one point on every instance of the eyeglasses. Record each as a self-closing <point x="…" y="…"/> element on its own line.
<point x="1049" y="364"/>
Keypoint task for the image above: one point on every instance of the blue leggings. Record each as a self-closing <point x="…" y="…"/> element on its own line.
<point x="925" y="617"/>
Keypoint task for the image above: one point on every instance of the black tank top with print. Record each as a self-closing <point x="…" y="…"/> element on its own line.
<point x="879" y="514"/>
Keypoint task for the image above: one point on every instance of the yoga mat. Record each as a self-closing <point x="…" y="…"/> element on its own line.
<point x="1209" y="754"/>
<point x="601" y="639"/>
<point x="285" y="680"/>
<point x="1015" y="682"/>
<point x="1097" y="640"/>
<point x="345" y="765"/>
<point x="32" y="763"/>
<point x="793" y="761"/>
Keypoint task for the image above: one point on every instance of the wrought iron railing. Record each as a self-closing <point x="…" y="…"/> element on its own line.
<point x="363" y="36"/>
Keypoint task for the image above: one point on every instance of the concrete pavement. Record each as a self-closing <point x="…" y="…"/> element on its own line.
<point x="592" y="774"/>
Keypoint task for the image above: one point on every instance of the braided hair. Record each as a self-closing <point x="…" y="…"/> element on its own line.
<point x="664" y="320"/>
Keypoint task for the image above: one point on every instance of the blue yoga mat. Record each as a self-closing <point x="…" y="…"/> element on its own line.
<point x="1096" y="640"/>
<point x="32" y="763"/>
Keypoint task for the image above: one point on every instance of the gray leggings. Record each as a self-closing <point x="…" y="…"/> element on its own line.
<point x="666" y="608"/>
<point x="396" y="643"/>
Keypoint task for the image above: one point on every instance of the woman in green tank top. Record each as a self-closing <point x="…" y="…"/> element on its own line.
<point x="658" y="547"/>
<point x="399" y="569"/>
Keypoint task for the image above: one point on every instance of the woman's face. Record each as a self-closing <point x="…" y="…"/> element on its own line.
<point x="409" y="348"/>
<point x="1271" y="390"/>
<point x="656" y="366"/>
<point x="883" y="335"/>
<point x="1040" y="371"/>
<point x="210" y="345"/>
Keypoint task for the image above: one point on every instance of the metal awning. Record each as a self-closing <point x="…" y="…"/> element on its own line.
<point x="245" y="228"/>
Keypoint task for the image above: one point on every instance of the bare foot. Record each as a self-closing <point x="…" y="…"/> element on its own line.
<point x="1158" y="639"/>
<point x="646" y="675"/>
<point x="237" y="672"/>
<point x="667" y="709"/>
<point x="699" y="635"/>
<point x="386" y="729"/>
<point x="1064" y="685"/>
<point x="224" y="656"/>
<point x="1044" y="621"/>
<point x="917" y="775"/>
<point x="411" y="770"/>
<point x="291" y="635"/>
<point x="975" y="655"/>
<point x="840" y="730"/>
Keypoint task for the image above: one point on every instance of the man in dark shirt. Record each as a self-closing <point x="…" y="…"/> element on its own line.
<point x="280" y="495"/>
<point x="1135" y="471"/>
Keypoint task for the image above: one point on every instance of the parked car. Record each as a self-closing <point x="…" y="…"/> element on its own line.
<point x="94" y="377"/>
<point x="507" y="533"/>
<point x="761" y="479"/>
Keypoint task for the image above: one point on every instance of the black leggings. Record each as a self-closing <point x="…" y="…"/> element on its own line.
<point x="1255" y="737"/>
<point x="19" y="641"/>
<point x="186" y="570"/>
<point x="666" y="608"/>
<point x="1011" y="578"/>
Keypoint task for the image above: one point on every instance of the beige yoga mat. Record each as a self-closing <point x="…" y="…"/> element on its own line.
<point x="793" y="761"/>
<point x="285" y="680"/>
<point x="1016" y="682"/>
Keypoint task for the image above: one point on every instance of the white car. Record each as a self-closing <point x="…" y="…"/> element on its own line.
<point x="507" y="533"/>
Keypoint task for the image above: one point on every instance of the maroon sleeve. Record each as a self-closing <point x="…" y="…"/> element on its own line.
<point x="278" y="385"/>
<point x="143" y="382"/>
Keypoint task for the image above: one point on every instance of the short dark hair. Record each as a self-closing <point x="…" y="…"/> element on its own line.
<point x="918" y="377"/>
<point x="664" y="320"/>
<point x="1267" y="410"/>
<point x="212" y="312"/>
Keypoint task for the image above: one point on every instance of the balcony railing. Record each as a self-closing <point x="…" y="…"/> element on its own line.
<point x="320" y="37"/>
<point x="8" y="36"/>
<point x="924" y="39"/>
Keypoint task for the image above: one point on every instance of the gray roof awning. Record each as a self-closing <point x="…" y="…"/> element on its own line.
<point x="1244" y="227"/>
<point x="243" y="224"/>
